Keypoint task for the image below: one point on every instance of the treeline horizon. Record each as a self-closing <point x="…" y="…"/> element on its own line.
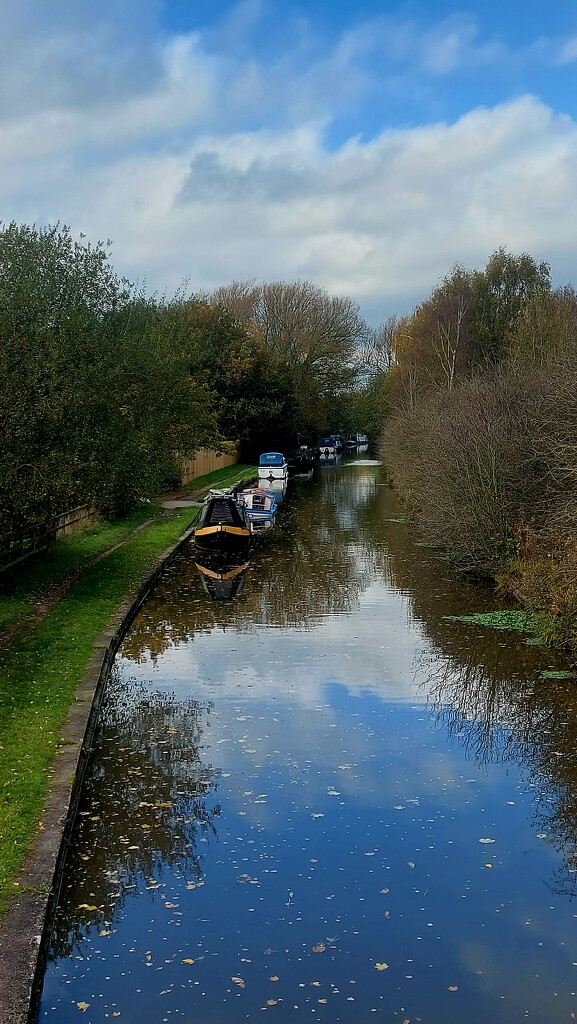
<point x="104" y="388"/>
<point x="481" y="438"/>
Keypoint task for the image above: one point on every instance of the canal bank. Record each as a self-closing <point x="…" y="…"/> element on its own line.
<point x="37" y="884"/>
<point x="79" y="584"/>
<point x="325" y="798"/>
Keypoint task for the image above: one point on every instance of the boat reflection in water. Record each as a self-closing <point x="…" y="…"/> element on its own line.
<point x="222" y="578"/>
<point x="276" y="488"/>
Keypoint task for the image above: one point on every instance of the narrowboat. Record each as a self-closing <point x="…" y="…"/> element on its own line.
<point x="222" y="524"/>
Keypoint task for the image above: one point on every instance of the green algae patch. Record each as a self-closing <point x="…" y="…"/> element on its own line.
<point x="551" y="673"/>
<point x="523" y="622"/>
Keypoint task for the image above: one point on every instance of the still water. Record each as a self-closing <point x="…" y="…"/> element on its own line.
<point x="324" y="800"/>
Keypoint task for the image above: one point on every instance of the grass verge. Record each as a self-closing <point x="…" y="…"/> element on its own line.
<point x="43" y="656"/>
<point x="43" y="660"/>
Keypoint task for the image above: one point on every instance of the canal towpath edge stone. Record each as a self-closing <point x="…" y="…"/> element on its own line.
<point x="22" y="928"/>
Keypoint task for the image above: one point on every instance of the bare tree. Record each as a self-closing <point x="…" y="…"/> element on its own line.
<point x="378" y="353"/>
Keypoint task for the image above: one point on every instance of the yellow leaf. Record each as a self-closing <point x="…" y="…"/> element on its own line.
<point x="83" y="1006"/>
<point x="381" y="967"/>
<point x="86" y="906"/>
<point x="187" y="960"/>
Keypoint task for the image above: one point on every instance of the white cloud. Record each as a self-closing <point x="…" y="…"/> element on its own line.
<point x="568" y="51"/>
<point x="208" y="165"/>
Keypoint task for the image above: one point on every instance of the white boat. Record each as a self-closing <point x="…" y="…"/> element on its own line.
<point x="272" y="466"/>
<point x="261" y="508"/>
<point x="328" y="449"/>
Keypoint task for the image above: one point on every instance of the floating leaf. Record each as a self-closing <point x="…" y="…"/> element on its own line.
<point x="381" y="967"/>
<point x="271" y="1002"/>
<point x="239" y="982"/>
<point x="83" y="1006"/>
<point x="453" y="988"/>
<point x="274" y="977"/>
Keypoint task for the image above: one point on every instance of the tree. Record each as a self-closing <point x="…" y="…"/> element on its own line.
<point x="253" y="395"/>
<point x="312" y="336"/>
<point x="501" y="291"/>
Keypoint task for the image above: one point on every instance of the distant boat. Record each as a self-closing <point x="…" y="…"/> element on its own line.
<point x="302" y="459"/>
<point x="261" y="508"/>
<point x="223" y="523"/>
<point x="272" y="466"/>
<point x="328" y="449"/>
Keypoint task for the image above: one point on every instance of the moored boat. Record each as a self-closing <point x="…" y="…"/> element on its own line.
<point x="272" y="466"/>
<point x="223" y="524"/>
<point x="302" y="459"/>
<point x="328" y="449"/>
<point x="261" y="508"/>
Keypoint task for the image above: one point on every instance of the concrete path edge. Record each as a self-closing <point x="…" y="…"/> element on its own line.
<point x="25" y="927"/>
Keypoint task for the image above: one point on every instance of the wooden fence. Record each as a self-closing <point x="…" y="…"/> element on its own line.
<point x="206" y="461"/>
<point x="40" y="536"/>
<point x="37" y="538"/>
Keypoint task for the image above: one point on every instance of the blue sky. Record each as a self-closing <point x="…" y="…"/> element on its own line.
<point x="365" y="146"/>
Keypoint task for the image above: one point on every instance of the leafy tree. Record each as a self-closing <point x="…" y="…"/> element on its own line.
<point x="253" y="395"/>
<point x="310" y="335"/>
<point x="501" y="291"/>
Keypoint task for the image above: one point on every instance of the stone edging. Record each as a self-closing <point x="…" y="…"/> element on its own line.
<point x="22" y="929"/>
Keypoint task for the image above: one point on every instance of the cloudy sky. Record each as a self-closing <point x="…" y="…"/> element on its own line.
<point x="366" y="146"/>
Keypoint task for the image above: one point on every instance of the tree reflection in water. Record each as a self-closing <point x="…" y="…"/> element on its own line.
<point x="532" y="722"/>
<point x="157" y="801"/>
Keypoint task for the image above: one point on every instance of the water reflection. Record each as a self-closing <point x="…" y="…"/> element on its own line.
<point x="221" y="579"/>
<point x="148" y="804"/>
<point x="313" y="554"/>
<point x="393" y="790"/>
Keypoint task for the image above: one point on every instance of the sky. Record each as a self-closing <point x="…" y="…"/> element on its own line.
<point x="365" y="146"/>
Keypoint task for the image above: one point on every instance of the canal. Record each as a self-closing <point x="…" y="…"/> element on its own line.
<point x="324" y="799"/>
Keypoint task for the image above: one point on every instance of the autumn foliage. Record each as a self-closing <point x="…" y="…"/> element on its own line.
<point x="482" y="438"/>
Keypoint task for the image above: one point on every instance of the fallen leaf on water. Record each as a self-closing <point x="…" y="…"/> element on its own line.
<point x="171" y="906"/>
<point x="83" y="1006"/>
<point x="381" y="967"/>
<point x="239" y="982"/>
<point x="274" y="977"/>
<point x="86" y="906"/>
<point x="271" y="1002"/>
<point x="453" y="988"/>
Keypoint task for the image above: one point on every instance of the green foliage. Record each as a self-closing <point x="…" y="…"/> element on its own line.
<point x="501" y="291"/>
<point x="253" y="394"/>
<point x="95" y="393"/>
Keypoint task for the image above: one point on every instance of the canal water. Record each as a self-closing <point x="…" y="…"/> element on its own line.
<point x="324" y="799"/>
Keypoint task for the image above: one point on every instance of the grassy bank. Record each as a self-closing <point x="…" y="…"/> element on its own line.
<point x="48" y="633"/>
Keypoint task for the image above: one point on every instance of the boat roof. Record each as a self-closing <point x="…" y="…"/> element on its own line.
<point x="271" y="459"/>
